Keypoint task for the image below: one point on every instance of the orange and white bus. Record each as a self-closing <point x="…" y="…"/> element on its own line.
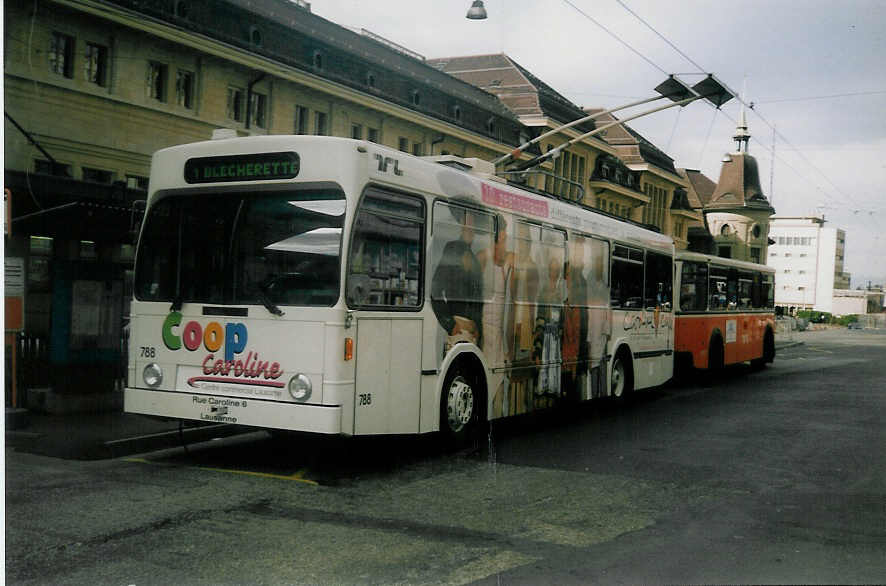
<point x="338" y="286"/>
<point x="725" y="312"/>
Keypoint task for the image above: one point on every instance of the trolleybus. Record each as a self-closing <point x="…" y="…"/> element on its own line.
<point x="338" y="286"/>
<point x="725" y="312"/>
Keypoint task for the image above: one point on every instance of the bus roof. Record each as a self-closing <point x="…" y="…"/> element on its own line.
<point x="719" y="260"/>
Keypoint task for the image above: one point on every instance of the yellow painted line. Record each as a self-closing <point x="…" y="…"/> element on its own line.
<point x="298" y="476"/>
<point x="138" y="460"/>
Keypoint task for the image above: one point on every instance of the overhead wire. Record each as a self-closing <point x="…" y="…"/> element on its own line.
<point x="740" y="99"/>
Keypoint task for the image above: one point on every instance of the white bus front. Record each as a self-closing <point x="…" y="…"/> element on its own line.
<point x="236" y="317"/>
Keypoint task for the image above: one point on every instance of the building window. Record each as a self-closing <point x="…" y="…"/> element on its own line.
<point x="403" y="144"/>
<point x="235" y="104"/>
<point x="373" y="135"/>
<point x="490" y="125"/>
<point x="370" y="79"/>
<point x="300" y="122"/>
<point x="97" y="175"/>
<point x="181" y="9"/>
<point x="756" y="231"/>
<point x="255" y="36"/>
<point x="184" y="88"/>
<point x="320" y="123"/>
<point x="318" y="59"/>
<point x="415" y="98"/>
<point x="725" y="230"/>
<point x="755" y="253"/>
<point x="724" y="251"/>
<point x="96" y="64"/>
<point x="456" y="112"/>
<point x="417" y="149"/>
<point x="61" y="54"/>
<point x="137" y="182"/>
<point x="88" y="250"/>
<point x="47" y="168"/>
<point x="258" y="109"/>
<point x="156" y="82"/>
<point x="357" y="131"/>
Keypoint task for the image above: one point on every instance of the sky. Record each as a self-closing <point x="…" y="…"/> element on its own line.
<point x="814" y="70"/>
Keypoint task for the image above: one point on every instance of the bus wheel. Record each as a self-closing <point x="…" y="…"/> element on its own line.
<point x="620" y="379"/>
<point x="768" y="352"/>
<point x="459" y="409"/>
<point x="715" y="355"/>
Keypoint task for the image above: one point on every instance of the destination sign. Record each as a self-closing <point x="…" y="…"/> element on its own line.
<point x="255" y="167"/>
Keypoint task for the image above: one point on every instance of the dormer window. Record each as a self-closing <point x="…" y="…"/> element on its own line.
<point x="255" y="36"/>
<point x="181" y="9"/>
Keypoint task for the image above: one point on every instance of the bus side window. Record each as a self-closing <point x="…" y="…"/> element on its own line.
<point x="694" y="286"/>
<point x="384" y="264"/>
<point x="659" y="281"/>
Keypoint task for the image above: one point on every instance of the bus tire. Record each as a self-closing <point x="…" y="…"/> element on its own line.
<point x="462" y="406"/>
<point x="716" y="355"/>
<point x="621" y="375"/>
<point x="768" y="351"/>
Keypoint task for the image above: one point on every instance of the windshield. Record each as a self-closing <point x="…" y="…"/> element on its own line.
<point x="277" y="248"/>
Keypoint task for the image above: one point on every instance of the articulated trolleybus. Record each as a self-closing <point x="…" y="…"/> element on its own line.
<point x="337" y="286"/>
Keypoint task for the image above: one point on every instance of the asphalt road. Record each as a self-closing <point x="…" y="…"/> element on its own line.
<point x="776" y="476"/>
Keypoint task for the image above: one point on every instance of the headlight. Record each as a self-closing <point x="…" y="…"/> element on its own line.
<point x="300" y="387"/>
<point x="153" y="375"/>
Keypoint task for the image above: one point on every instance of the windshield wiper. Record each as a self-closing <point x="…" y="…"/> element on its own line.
<point x="266" y="300"/>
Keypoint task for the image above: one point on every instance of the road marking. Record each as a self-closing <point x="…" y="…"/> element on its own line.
<point x="489" y="564"/>
<point x="298" y="476"/>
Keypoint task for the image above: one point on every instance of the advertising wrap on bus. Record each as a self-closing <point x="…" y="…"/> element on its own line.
<point x="229" y="367"/>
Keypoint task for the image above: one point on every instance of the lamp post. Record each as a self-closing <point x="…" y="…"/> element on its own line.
<point x="476" y="11"/>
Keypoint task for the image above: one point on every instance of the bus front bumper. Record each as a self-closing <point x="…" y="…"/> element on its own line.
<point x="234" y="410"/>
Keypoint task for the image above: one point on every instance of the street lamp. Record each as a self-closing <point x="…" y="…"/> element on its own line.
<point x="476" y="11"/>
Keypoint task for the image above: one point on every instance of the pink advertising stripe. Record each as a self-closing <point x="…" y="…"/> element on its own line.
<point x="236" y="381"/>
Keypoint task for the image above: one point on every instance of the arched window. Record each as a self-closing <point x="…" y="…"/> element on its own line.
<point x="318" y="59"/>
<point x="370" y="79"/>
<point x="416" y="98"/>
<point x="456" y="112"/>
<point x="181" y="9"/>
<point x="725" y="230"/>
<point x="255" y="36"/>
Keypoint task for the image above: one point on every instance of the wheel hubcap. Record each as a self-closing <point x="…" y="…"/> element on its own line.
<point x="459" y="404"/>
<point x="617" y="378"/>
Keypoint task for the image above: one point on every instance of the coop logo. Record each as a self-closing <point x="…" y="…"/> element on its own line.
<point x="231" y="367"/>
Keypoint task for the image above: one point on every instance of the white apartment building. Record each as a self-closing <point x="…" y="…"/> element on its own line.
<point x="808" y="259"/>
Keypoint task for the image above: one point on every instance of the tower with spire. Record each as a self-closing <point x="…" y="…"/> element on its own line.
<point x="738" y="212"/>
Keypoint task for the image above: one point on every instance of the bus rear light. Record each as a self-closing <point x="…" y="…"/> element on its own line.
<point x="349" y="348"/>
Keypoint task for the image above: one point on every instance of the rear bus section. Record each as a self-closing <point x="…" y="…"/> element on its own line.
<point x="725" y="314"/>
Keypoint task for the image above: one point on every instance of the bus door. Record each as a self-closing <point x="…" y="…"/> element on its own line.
<point x="656" y="345"/>
<point x="384" y="285"/>
<point x="388" y="376"/>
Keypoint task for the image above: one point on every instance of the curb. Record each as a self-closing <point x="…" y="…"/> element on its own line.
<point x="788" y="345"/>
